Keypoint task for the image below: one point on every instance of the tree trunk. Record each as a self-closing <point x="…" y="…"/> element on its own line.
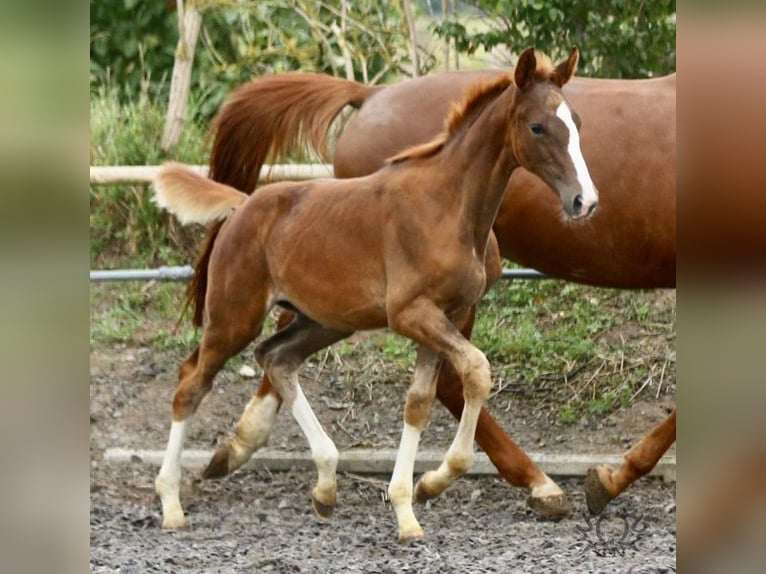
<point x="445" y="11"/>
<point x="189" y="22"/>
<point x="413" y="37"/>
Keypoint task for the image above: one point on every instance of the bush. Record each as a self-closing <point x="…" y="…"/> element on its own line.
<point x="617" y="38"/>
<point x="125" y="223"/>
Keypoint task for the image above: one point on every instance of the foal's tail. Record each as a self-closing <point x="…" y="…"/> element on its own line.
<point x="193" y="198"/>
<point x="273" y="115"/>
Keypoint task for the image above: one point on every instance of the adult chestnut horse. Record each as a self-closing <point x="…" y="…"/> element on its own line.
<point x="630" y="242"/>
<point x="409" y="246"/>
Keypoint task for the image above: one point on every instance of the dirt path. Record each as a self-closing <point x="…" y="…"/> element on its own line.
<point x="254" y="521"/>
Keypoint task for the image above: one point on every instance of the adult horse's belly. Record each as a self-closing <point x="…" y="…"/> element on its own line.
<point x="628" y="140"/>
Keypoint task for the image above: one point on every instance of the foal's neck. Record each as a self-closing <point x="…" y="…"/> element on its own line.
<point x="481" y="164"/>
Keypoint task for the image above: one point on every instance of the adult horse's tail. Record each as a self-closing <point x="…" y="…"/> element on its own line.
<point x="193" y="198"/>
<point x="270" y="116"/>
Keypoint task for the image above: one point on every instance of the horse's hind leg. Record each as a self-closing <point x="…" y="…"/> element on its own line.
<point x="545" y="497"/>
<point x="225" y="335"/>
<point x="254" y="426"/>
<point x="281" y="356"/>
<point x="604" y="483"/>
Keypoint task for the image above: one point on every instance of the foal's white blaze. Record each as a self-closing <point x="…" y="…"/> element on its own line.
<point x="589" y="193"/>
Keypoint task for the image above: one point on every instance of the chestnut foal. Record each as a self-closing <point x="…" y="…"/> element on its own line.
<point x="409" y="247"/>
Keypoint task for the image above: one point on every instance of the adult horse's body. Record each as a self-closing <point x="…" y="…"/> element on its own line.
<point x="409" y="246"/>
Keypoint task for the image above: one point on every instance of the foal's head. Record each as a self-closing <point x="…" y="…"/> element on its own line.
<point x="544" y="131"/>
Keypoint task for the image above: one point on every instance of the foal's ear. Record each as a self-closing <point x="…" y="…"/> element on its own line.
<point x="566" y="69"/>
<point x="525" y="69"/>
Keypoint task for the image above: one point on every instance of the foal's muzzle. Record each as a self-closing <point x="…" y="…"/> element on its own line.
<point x="582" y="207"/>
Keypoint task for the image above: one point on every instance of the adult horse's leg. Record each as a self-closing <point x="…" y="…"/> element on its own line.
<point x="420" y="397"/>
<point x="195" y="381"/>
<point x="281" y="356"/>
<point x="513" y="464"/>
<point x="254" y="426"/>
<point x="603" y="483"/>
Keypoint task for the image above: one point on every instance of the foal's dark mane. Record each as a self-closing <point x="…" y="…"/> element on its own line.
<point x="477" y="97"/>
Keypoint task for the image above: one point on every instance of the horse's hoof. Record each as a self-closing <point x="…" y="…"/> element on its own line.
<point x="596" y="494"/>
<point x="174" y="521"/>
<point x="322" y="510"/>
<point x="550" y="506"/>
<point x="218" y="466"/>
<point x="412" y="535"/>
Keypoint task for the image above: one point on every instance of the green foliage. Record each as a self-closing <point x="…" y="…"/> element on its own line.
<point x="133" y="43"/>
<point x="617" y="38"/>
<point x="124" y="221"/>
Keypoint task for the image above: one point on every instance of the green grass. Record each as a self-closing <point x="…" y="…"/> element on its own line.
<point x="572" y="348"/>
<point x="139" y="314"/>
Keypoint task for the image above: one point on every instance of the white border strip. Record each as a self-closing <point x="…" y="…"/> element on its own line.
<point x="381" y="461"/>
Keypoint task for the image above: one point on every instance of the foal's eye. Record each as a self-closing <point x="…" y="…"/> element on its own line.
<point x="536" y="129"/>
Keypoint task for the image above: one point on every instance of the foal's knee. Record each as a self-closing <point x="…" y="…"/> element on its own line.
<point x="477" y="378"/>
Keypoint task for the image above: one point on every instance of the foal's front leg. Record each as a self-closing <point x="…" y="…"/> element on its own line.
<point x="423" y="322"/>
<point x="420" y="397"/>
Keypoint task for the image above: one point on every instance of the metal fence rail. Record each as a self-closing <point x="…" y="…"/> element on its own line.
<point x="186" y="272"/>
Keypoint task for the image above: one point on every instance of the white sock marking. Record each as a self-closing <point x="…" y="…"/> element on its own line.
<point x="171" y="464"/>
<point x="405" y="460"/>
<point x="322" y="448"/>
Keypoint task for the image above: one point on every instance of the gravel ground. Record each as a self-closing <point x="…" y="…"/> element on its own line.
<point x="255" y="521"/>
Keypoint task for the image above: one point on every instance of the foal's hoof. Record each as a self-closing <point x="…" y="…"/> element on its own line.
<point x="596" y="494"/>
<point x="323" y="511"/>
<point x="422" y="493"/>
<point x="411" y="535"/>
<point x="174" y="521"/>
<point x="550" y="506"/>
<point x="218" y="467"/>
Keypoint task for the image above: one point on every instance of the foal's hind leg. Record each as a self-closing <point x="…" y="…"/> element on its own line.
<point x="225" y="335"/>
<point x="281" y="356"/>
<point x="254" y="426"/>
